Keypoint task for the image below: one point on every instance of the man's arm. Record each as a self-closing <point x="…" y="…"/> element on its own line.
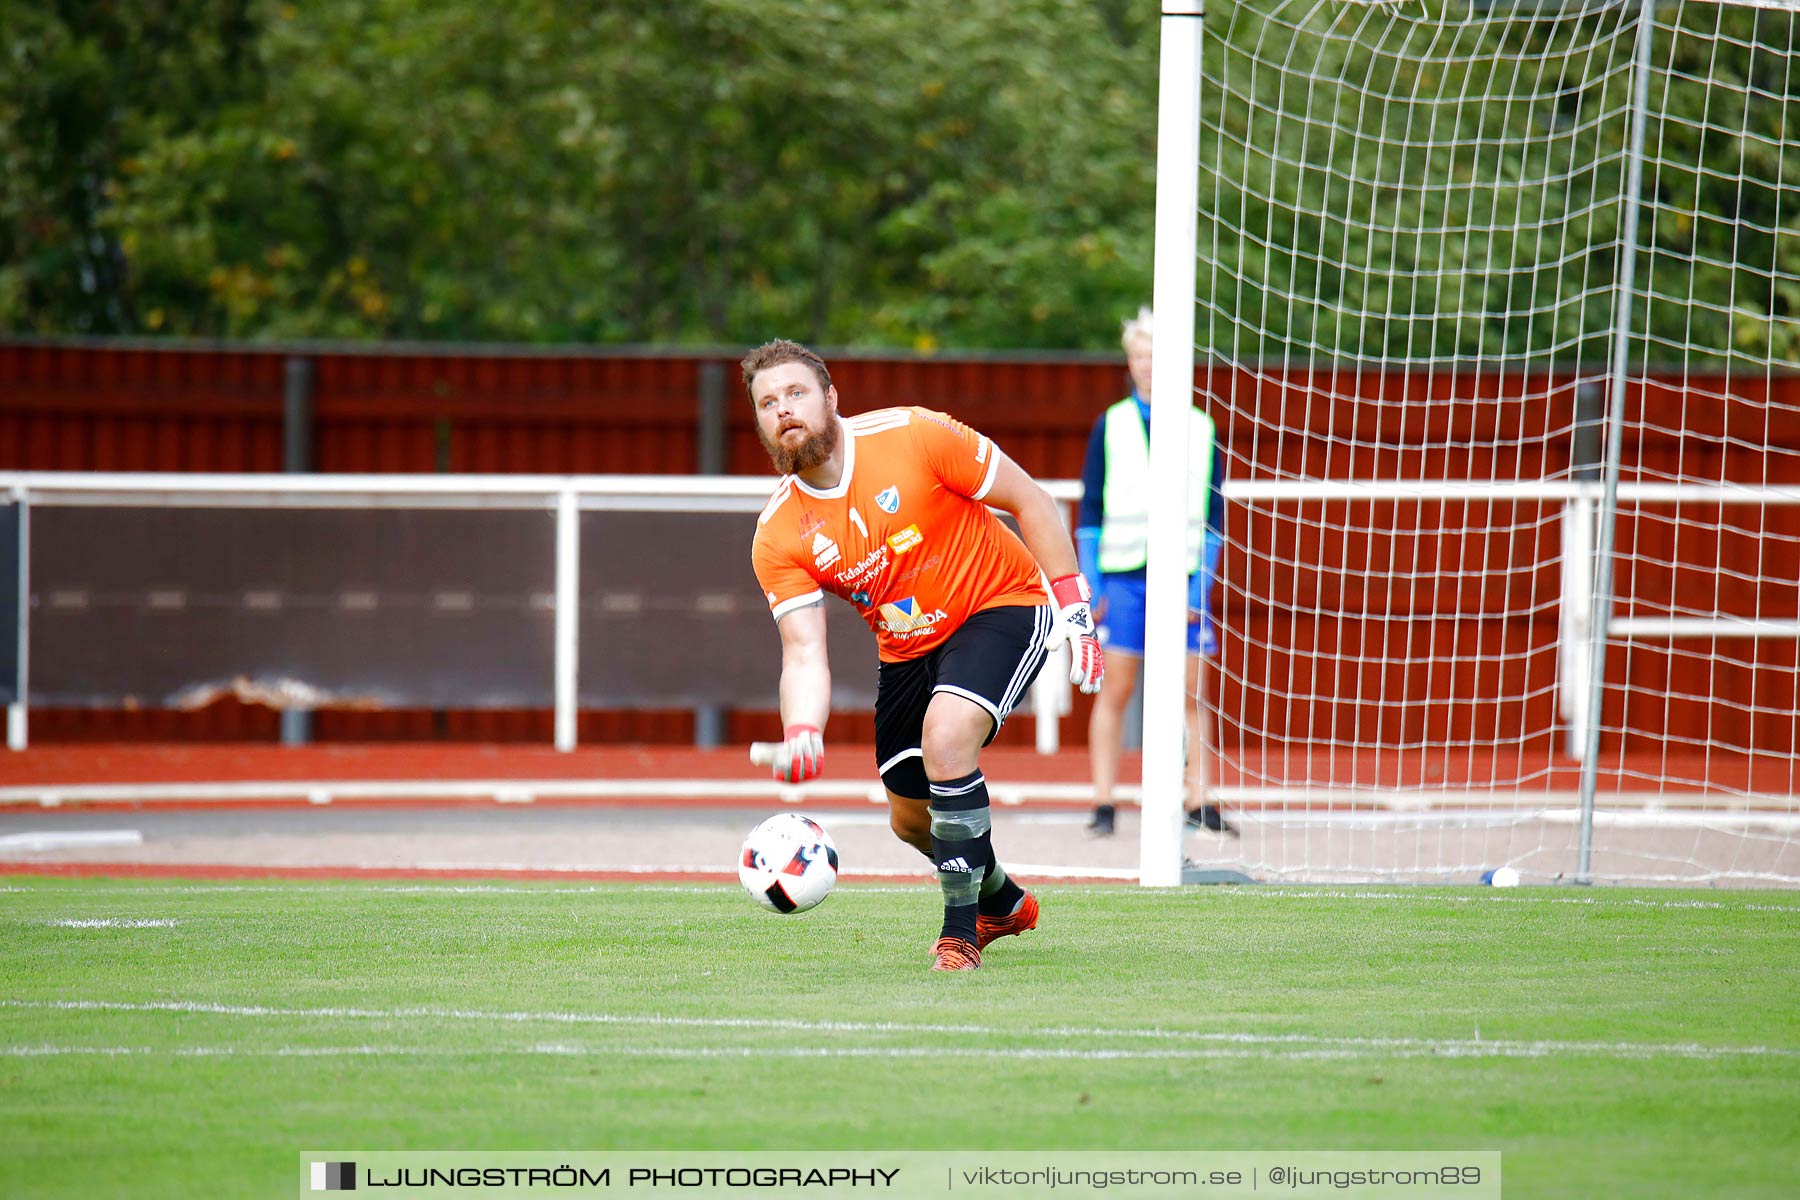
<point x="805" y="694"/>
<point x="1042" y="530"/>
<point x="1040" y="521"/>
<point x="805" y="670"/>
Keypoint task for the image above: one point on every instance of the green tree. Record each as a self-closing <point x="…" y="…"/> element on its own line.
<point x="906" y="174"/>
<point x="83" y="85"/>
<point x="909" y="173"/>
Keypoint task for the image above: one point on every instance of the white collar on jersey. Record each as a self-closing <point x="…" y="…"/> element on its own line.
<point x="843" y="484"/>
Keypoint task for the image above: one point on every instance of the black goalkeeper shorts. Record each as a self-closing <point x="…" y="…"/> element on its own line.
<point x="991" y="660"/>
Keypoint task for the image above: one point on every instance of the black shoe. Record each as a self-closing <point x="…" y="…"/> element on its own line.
<point x="1101" y="823"/>
<point x="1208" y="816"/>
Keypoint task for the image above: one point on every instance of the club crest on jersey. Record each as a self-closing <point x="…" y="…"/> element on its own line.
<point x="889" y="501"/>
<point x="825" y="551"/>
<point x="906" y="617"/>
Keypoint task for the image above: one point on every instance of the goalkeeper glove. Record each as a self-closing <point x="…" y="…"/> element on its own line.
<point x="802" y="754"/>
<point x="1075" y="624"/>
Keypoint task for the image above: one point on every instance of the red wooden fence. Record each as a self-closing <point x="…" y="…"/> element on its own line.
<point x="138" y="407"/>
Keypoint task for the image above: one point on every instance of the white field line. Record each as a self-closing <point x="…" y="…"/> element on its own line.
<point x="1245" y="1044"/>
<point x="1435" y="1051"/>
<point x="115" y="923"/>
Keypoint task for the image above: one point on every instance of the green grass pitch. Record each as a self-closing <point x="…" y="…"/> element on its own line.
<point x="158" y="1035"/>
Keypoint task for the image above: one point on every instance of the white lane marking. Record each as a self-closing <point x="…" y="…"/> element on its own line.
<point x="1339" y="891"/>
<point x="729" y="871"/>
<point x="1478" y="1047"/>
<point x="1265" y="807"/>
<point x="723" y="870"/>
<point x="68" y="839"/>
<point x="546" y="888"/>
<point x="115" y="923"/>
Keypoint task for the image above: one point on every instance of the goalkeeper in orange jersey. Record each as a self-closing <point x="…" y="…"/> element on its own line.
<point x="889" y="511"/>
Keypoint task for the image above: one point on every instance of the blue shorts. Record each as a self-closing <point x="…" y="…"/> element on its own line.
<point x="1122" y="625"/>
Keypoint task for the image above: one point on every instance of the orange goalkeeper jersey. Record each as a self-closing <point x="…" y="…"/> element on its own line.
<point x="904" y="536"/>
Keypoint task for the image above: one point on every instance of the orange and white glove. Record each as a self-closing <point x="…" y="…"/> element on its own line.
<point x="1075" y="625"/>
<point x="802" y="756"/>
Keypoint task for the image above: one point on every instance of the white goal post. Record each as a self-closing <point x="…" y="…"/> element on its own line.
<point x="1498" y="304"/>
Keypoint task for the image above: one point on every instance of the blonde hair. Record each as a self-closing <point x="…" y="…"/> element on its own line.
<point x="1137" y="327"/>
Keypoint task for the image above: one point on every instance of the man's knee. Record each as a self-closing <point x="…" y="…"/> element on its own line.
<point x="952" y="742"/>
<point x="951" y="758"/>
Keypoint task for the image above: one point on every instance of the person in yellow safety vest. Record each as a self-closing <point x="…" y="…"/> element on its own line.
<point x="1110" y="540"/>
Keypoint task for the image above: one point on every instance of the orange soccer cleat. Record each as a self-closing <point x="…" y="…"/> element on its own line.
<point x="954" y="954"/>
<point x="1023" y="917"/>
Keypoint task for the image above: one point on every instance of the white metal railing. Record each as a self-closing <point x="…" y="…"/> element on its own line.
<point x="567" y="496"/>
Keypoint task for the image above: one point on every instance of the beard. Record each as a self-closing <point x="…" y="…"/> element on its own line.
<point x="814" y="449"/>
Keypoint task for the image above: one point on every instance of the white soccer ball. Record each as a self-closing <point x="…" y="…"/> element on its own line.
<point x="1505" y="877"/>
<point x="789" y="863"/>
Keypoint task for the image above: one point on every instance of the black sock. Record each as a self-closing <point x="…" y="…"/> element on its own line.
<point x="999" y="894"/>
<point x="961" y="848"/>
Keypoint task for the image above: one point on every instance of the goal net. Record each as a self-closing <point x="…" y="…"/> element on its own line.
<point x="1498" y="306"/>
